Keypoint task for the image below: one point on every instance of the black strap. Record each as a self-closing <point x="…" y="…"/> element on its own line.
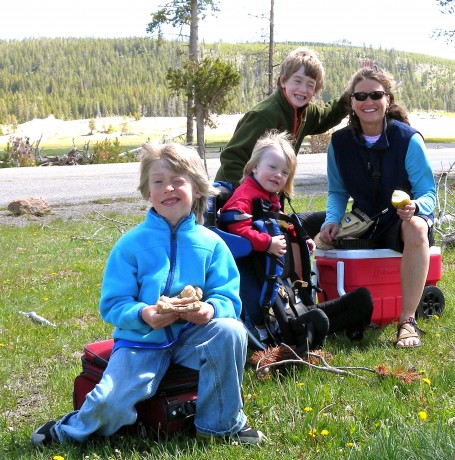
<point x="271" y="277"/>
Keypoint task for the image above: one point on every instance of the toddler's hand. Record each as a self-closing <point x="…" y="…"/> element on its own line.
<point x="311" y="245"/>
<point x="278" y="246"/>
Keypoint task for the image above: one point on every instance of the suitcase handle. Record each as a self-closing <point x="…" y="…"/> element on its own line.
<point x="185" y="409"/>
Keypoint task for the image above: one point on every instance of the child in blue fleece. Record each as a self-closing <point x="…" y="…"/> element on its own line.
<point x="168" y="251"/>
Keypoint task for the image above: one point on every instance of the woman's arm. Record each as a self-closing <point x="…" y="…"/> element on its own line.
<point x="337" y="195"/>
<point x="420" y="175"/>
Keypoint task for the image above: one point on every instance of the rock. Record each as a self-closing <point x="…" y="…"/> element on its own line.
<point x="36" y="206"/>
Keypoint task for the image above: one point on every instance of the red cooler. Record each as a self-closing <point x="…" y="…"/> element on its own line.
<point x="342" y="270"/>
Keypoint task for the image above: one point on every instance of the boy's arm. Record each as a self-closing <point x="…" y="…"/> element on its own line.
<point x="119" y="293"/>
<point x="237" y="152"/>
<point x="338" y="196"/>
<point x="319" y="119"/>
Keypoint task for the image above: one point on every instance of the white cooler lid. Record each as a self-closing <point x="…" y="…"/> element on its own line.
<point x="364" y="253"/>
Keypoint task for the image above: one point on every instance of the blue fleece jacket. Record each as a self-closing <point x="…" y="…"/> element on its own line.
<point x="154" y="259"/>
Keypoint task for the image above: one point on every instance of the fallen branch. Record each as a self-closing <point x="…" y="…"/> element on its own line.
<point x="121" y="227"/>
<point x="263" y="370"/>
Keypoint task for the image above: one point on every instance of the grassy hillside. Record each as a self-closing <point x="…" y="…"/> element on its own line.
<point x="85" y="77"/>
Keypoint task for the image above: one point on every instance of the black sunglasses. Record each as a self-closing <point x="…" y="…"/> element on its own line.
<point x="374" y="95"/>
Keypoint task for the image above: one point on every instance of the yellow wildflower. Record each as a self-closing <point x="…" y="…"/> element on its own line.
<point x="308" y="409"/>
<point x="428" y="381"/>
<point x="325" y="432"/>
<point x="422" y="415"/>
<point x="312" y="432"/>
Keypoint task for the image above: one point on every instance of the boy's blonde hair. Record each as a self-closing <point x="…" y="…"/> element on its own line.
<point x="280" y="141"/>
<point x="306" y="58"/>
<point x="182" y="160"/>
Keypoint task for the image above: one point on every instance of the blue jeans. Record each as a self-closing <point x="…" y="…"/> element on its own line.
<point x="217" y="350"/>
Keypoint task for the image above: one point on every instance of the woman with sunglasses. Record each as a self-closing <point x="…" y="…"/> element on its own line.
<point x="377" y="153"/>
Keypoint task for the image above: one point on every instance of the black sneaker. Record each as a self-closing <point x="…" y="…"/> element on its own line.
<point x="248" y="436"/>
<point x="245" y="436"/>
<point x="44" y="435"/>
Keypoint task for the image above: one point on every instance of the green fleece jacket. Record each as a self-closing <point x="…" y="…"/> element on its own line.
<point x="275" y="112"/>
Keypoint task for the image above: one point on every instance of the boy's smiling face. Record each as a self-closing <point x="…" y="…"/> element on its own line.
<point x="299" y="88"/>
<point x="171" y="193"/>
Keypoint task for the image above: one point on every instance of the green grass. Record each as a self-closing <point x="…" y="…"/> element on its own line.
<point x="440" y="140"/>
<point x="56" y="271"/>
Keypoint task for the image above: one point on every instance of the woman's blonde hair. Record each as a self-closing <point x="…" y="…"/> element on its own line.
<point x="182" y="160"/>
<point x="280" y="141"/>
<point x="306" y="58"/>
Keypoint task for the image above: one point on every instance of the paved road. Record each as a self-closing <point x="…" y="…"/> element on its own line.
<point x="80" y="184"/>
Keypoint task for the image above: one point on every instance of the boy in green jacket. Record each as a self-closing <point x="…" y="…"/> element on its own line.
<point x="289" y="109"/>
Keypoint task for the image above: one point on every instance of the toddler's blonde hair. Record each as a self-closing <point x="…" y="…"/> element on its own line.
<point x="280" y="141"/>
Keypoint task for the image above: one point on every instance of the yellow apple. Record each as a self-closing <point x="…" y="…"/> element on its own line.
<point x="400" y="199"/>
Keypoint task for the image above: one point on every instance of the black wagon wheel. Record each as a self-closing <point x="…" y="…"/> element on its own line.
<point x="432" y="302"/>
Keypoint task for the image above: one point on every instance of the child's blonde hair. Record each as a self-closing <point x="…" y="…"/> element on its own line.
<point x="182" y="160"/>
<point x="280" y="141"/>
<point x="306" y="58"/>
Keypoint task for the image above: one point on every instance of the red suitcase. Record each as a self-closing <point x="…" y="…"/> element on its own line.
<point x="170" y="410"/>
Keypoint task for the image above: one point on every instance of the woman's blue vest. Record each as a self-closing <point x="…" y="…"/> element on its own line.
<point x="371" y="174"/>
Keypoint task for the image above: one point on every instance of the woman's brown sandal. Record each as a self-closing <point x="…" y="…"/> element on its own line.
<point x="411" y="331"/>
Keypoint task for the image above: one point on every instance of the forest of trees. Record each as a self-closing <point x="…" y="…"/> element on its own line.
<point x="85" y="77"/>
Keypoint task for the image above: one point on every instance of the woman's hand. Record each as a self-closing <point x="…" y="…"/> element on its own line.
<point x="328" y="232"/>
<point x="407" y="212"/>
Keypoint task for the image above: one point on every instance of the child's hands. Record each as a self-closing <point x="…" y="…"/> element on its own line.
<point x="151" y="316"/>
<point x="156" y="320"/>
<point x="201" y="316"/>
<point x="278" y="246"/>
<point x="311" y="245"/>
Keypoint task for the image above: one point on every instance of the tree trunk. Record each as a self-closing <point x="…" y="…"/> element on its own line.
<point x="193" y="55"/>
<point x="271" y="46"/>
<point x="189" y="121"/>
<point x="200" y="132"/>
